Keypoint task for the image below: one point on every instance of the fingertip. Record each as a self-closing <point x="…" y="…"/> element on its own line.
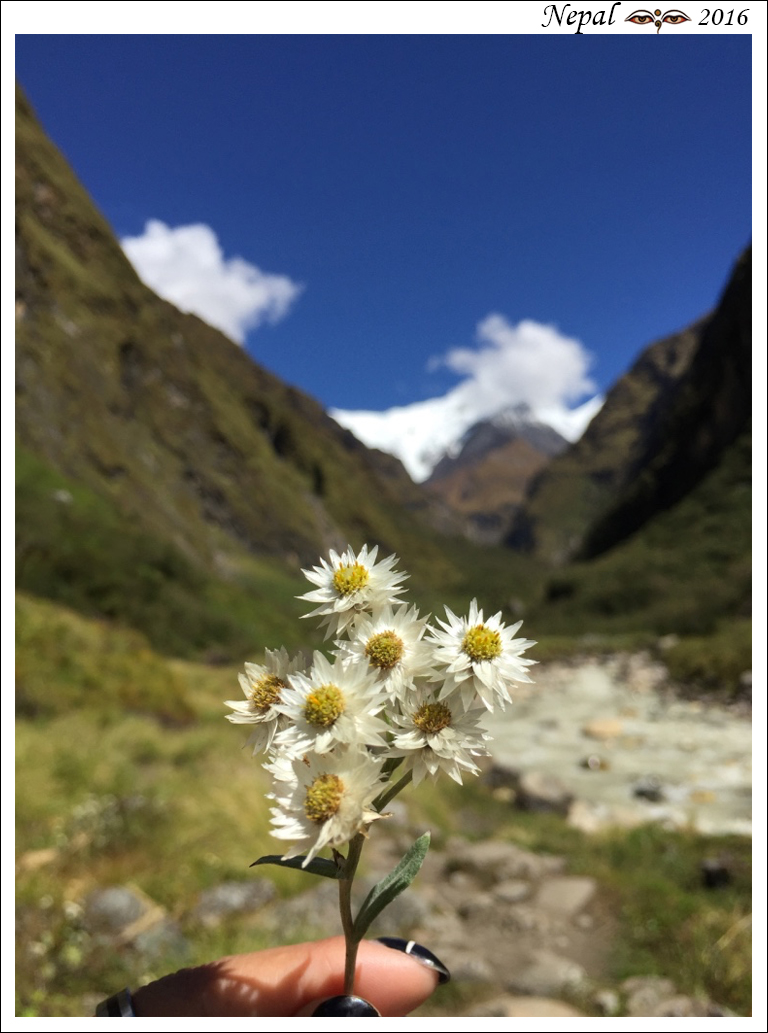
<point x="393" y="981"/>
<point x="419" y="953"/>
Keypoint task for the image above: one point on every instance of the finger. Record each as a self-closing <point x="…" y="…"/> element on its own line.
<point x="289" y="980"/>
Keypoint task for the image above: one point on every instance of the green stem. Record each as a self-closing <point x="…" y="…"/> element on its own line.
<point x="383" y="798"/>
<point x="389" y="765"/>
<point x="345" y="907"/>
<point x="345" y="885"/>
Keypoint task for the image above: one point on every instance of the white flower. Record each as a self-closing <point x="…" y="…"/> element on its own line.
<point x="351" y="584"/>
<point x="333" y="704"/>
<point x="263" y="685"/>
<point x="480" y="656"/>
<point x="324" y="801"/>
<point x="439" y="734"/>
<point x="390" y="644"/>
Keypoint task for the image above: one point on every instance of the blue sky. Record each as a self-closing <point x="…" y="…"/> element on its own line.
<point x="386" y="195"/>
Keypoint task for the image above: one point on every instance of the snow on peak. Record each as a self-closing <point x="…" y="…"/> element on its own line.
<point x="422" y="433"/>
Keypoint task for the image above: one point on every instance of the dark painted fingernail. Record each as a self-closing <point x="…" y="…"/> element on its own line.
<point x="345" y="1005"/>
<point x="419" y="953"/>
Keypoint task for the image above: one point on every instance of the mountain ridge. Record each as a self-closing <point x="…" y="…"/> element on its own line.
<point x="703" y="370"/>
<point x="423" y="433"/>
<point x="485" y="476"/>
<point x="157" y="393"/>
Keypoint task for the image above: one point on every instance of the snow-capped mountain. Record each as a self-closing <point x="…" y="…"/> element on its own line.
<point x="422" y="434"/>
<point x="516" y="423"/>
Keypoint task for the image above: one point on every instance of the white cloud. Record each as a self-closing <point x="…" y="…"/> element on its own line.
<point x="530" y="364"/>
<point x="185" y="265"/>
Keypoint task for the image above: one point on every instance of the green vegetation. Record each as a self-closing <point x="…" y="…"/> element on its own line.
<point x="75" y="547"/>
<point x="175" y="806"/>
<point x="65" y="664"/>
<point x="687" y="571"/>
<point x="713" y="662"/>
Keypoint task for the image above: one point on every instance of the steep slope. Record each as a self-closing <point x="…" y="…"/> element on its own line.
<point x="710" y="411"/>
<point x="181" y="435"/>
<point x="121" y="391"/>
<point x="663" y="427"/>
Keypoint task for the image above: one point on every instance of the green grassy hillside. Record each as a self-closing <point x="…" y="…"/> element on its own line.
<point x="199" y="482"/>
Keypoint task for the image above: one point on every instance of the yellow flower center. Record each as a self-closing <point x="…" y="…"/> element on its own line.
<point x="432" y="718"/>
<point x="266" y="691"/>
<point x="384" y="650"/>
<point x="324" y="705"/>
<point x="482" y="643"/>
<point x="323" y="798"/>
<point x="347" y="580"/>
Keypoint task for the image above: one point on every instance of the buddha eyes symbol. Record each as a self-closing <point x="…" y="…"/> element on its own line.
<point x="657" y="18"/>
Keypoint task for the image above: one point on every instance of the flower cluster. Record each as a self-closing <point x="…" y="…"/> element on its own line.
<point x="397" y="701"/>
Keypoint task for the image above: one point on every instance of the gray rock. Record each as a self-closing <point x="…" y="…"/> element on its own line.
<point x="606" y="1002"/>
<point x="541" y="792"/>
<point x="231" y="898"/>
<point x="476" y="904"/>
<point x="501" y="776"/>
<point x="567" y="894"/>
<point x="594" y="817"/>
<point x="649" y="788"/>
<point x="162" y="940"/>
<point x="492" y="861"/>
<point x="315" y="912"/>
<point x="524" y="919"/>
<point x="114" y="909"/>
<point x="466" y="967"/>
<point x="507" y="1006"/>
<point x="716" y="872"/>
<point x="645" y="993"/>
<point x="512" y="891"/>
<point x="681" y="1007"/>
<point x="547" y="975"/>
<point x="460" y="881"/>
<point x="405" y="912"/>
<point x="123" y="915"/>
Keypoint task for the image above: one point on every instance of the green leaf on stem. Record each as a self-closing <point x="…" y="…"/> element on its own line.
<point x="317" y="866"/>
<point x="384" y="892"/>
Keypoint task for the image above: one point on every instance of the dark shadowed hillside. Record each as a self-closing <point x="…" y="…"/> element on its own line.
<point x="664" y="426"/>
<point x="653" y="505"/>
<point x="709" y="411"/>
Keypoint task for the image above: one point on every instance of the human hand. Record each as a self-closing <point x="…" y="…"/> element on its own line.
<point x="394" y="975"/>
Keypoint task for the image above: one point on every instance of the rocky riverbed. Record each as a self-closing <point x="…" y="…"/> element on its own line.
<point x="608" y="742"/>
